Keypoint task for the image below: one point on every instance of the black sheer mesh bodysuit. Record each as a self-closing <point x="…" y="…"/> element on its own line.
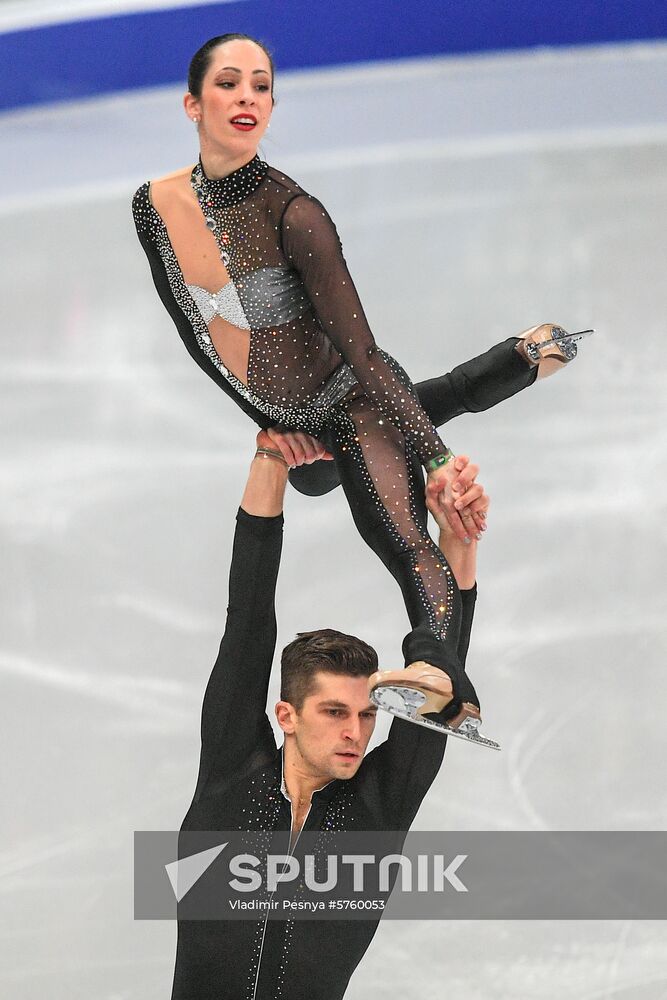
<point x="251" y="269"/>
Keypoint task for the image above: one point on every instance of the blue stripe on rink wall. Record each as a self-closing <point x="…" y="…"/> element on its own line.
<point x="61" y="62"/>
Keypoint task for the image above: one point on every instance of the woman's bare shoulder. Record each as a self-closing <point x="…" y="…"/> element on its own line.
<point x="174" y="185"/>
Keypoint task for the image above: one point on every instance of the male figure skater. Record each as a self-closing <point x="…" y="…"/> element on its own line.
<point x="319" y="779"/>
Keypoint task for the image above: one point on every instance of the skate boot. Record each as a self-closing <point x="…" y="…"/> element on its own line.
<point x="422" y="690"/>
<point x="550" y="347"/>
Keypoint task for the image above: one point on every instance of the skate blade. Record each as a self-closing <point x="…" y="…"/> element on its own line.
<point x="404" y="703"/>
<point x="567" y="342"/>
<point x="563" y="335"/>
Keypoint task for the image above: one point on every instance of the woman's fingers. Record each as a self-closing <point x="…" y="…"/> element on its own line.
<point x="475" y="511"/>
<point x="468" y="503"/>
<point x="481" y="506"/>
<point x="471" y="508"/>
<point x="467" y="471"/>
<point x="479" y="509"/>
<point x="440" y="501"/>
<point x="474" y="525"/>
<point x="473" y="493"/>
<point x="466" y="507"/>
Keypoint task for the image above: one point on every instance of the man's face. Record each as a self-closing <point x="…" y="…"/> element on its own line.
<point x="332" y="730"/>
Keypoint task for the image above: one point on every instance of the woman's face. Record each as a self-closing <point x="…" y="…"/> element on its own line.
<point x="236" y="103"/>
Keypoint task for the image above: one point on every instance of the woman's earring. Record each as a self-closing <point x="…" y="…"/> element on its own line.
<point x="195" y="119"/>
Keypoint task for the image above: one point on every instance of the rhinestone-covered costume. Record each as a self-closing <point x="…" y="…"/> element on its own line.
<point x="308" y="362"/>
<point x="474" y="386"/>
<point x="240" y="787"/>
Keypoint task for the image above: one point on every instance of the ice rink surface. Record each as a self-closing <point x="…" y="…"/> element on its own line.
<point x="475" y="198"/>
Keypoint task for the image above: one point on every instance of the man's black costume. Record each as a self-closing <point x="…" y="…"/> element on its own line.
<point x="240" y="788"/>
<point x="240" y="784"/>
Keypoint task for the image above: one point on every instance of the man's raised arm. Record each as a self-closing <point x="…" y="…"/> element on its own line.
<point x="234" y="723"/>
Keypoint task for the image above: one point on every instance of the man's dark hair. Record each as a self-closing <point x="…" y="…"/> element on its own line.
<point x="201" y="60"/>
<point x="324" y="649"/>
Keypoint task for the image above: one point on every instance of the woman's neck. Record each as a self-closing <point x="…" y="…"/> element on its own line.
<point x="218" y="163"/>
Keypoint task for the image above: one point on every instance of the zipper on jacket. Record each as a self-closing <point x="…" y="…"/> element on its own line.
<point x="268" y="909"/>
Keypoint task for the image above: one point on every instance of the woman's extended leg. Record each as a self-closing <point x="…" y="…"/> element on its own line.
<point x="384" y="485"/>
<point x="478" y="384"/>
<point x="475" y="385"/>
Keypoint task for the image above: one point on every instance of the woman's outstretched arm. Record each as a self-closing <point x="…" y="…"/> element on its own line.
<point x="312" y="245"/>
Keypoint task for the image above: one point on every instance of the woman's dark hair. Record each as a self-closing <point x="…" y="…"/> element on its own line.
<point x="328" y="650"/>
<point x="201" y="60"/>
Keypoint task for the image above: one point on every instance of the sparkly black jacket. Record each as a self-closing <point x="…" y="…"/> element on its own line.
<point x="239" y="787"/>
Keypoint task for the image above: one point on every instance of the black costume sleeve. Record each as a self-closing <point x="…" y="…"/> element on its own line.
<point x="401" y="770"/>
<point x="234" y="723"/>
<point x="311" y="242"/>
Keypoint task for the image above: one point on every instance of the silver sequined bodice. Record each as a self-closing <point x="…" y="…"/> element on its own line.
<point x="268" y="296"/>
<point x="225" y="303"/>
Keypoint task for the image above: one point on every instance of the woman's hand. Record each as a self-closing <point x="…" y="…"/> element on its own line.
<point x="461" y="557"/>
<point x="457" y="503"/>
<point x="295" y="447"/>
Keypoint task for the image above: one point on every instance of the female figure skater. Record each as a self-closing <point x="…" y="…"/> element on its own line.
<point x="251" y="270"/>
